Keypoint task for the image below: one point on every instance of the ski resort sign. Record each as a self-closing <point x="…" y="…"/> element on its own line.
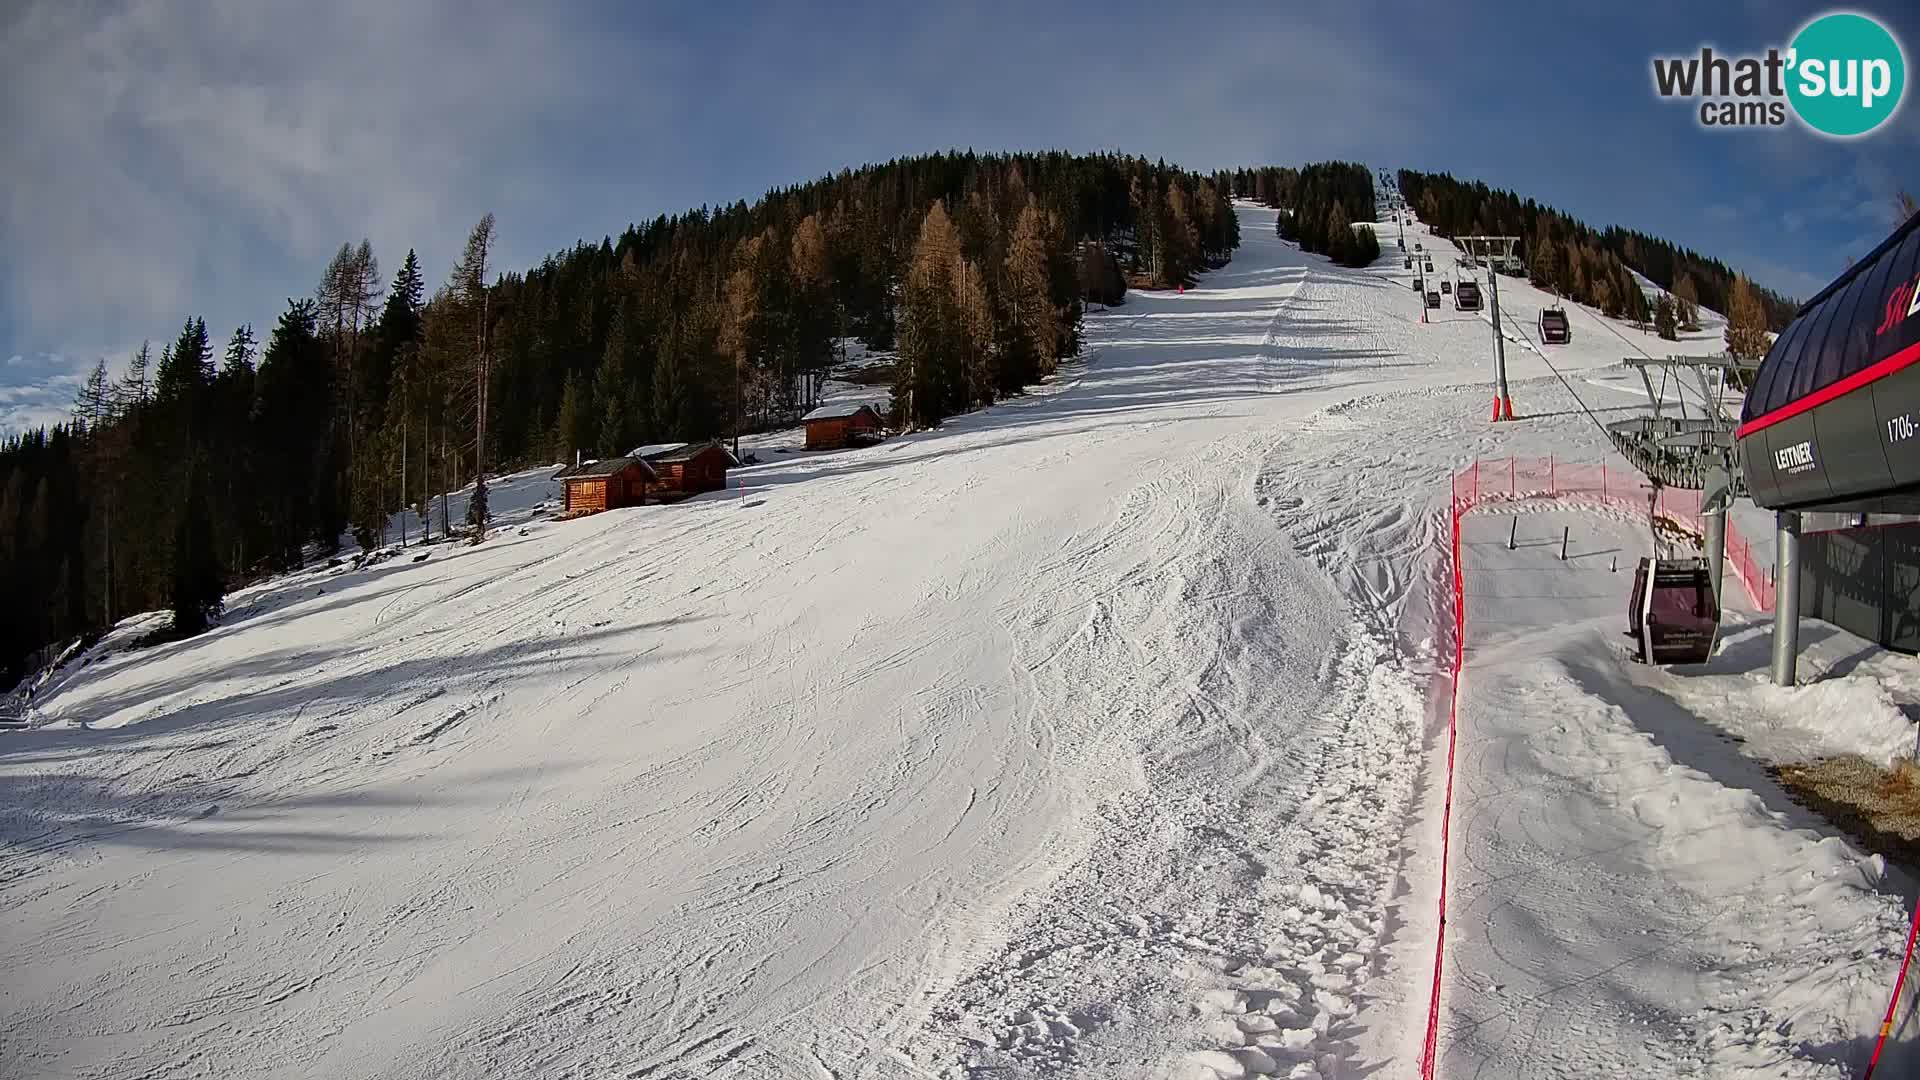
<point x="1843" y="76"/>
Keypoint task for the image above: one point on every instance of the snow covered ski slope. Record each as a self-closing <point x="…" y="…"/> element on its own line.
<point x="1088" y="736"/>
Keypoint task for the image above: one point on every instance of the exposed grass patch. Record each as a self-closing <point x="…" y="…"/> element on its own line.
<point x="1880" y="808"/>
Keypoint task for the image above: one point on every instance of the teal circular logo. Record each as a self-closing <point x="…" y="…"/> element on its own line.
<point x="1845" y="75"/>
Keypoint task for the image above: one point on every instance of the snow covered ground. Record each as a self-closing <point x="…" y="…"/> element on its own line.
<point x="1091" y="735"/>
<point x="1634" y="895"/>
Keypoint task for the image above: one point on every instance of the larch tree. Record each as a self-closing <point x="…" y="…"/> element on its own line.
<point x="1746" y="322"/>
<point x="1545" y="265"/>
<point x="1035" y="329"/>
<point x="94" y="403"/>
<point x="815" y="316"/>
<point x="1180" y="240"/>
<point x="929" y="381"/>
<point x="135" y="388"/>
<point x="743" y="335"/>
<point x="1686" y="302"/>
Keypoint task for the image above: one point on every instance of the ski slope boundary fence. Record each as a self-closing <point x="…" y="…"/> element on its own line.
<point x="1516" y="479"/>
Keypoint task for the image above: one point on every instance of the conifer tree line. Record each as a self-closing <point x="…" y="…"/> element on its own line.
<point x="1587" y="265"/>
<point x="195" y="472"/>
<point x="1323" y="207"/>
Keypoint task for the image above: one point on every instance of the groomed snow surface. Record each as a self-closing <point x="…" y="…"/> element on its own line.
<point x="1095" y="735"/>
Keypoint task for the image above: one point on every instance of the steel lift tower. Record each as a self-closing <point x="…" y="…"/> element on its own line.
<point x="1492" y="248"/>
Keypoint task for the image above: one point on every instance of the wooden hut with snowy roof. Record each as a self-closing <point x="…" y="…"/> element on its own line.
<point x="831" y="427"/>
<point x="606" y="484"/>
<point x="682" y="469"/>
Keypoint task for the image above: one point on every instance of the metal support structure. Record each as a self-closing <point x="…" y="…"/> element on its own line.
<point x="1716" y="523"/>
<point x="1786" y="599"/>
<point x="1502" y="399"/>
<point x="1647" y="380"/>
<point x="1503" y="404"/>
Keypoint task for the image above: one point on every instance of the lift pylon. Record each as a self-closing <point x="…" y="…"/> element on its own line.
<point x="1501" y="248"/>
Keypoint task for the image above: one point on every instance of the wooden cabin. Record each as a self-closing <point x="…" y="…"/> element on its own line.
<point x="682" y="469"/>
<point x="831" y="427"/>
<point x="607" y="484"/>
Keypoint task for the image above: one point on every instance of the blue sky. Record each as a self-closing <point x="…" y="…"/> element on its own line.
<point x="206" y="156"/>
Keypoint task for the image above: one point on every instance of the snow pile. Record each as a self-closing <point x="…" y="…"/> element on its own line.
<point x="1854" y="713"/>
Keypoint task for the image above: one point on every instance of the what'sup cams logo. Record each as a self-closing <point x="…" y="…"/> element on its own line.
<point x="1843" y="76"/>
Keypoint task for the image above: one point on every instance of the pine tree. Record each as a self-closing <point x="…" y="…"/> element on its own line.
<point x="197" y="590"/>
<point x="1746" y="322"/>
<point x="240" y="348"/>
<point x="477" y="511"/>
<point x="671" y="392"/>
<point x="294" y="400"/>
<point x="573" y="428"/>
<point x="610" y="397"/>
<point x="1340" y="245"/>
<point x="469" y="284"/>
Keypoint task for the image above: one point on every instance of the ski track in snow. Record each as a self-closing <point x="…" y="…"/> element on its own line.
<point x="1090" y="736"/>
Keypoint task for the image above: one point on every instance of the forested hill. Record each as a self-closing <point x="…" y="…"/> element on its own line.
<point x="1320" y="205"/>
<point x="1582" y="262"/>
<point x="204" y="466"/>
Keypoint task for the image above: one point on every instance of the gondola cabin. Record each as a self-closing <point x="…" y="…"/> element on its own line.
<point x="1672" y="615"/>
<point x="1429" y="266"/>
<point x="1467" y="296"/>
<point x="683" y="469"/>
<point x="1829" y="423"/>
<point x="1446" y="287"/>
<point x="608" y="484"/>
<point x="1554" y="328"/>
<point x="1433" y="299"/>
<point x="831" y="427"/>
<point x="1406" y="263"/>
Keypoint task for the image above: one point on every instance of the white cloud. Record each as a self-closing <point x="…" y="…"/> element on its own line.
<point x="205" y="156"/>
<point x="42" y="403"/>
